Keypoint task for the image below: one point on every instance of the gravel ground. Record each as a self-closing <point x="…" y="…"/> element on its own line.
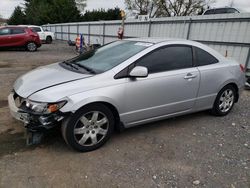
<point x="195" y="150"/>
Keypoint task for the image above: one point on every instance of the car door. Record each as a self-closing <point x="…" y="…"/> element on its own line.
<point x="212" y="77"/>
<point x="18" y="36"/>
<point x="170" y="88"/>
<point x="5" y="38"/>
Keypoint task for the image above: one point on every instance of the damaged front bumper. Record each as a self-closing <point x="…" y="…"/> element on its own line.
<point x="34" y="122"/>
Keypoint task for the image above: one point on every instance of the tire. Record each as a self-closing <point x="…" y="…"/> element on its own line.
<point x="31" y="46"/>
<point x="89" y="128"/>
<point x="247" y="84"/>
<point x="224" y="101"/>
<point x="48" y="40"/>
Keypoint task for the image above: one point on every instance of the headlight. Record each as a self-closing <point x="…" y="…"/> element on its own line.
<point x="46" y="108"/>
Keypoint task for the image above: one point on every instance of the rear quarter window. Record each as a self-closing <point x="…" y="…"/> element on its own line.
<point x="5" y="31"/>
<point x="211" y="11"/>
<point x="232" y="10"/>
<point x="204" y="58"/>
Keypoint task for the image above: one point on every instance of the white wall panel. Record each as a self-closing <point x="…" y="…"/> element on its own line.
<point x="64" y="37"/>
<point x="83" y="29"/>
<point x="95" y="40"/>
<point x="72" y="37"/>
<point x="109" y="39"/>
<point x="237" y="53"/>
<point x="65" y="28"/>
<point x="73" y="29"/>
<point x="223" y="32"/>
<point x="112" y="29"/>
<point x="136" y="30"/>
<point x="96" y="29"/>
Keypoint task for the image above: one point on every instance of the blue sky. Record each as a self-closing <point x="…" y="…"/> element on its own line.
<point x="7" y="6"/>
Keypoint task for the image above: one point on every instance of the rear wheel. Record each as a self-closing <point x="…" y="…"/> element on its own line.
<point x="89" y="128"/>
<point x="48" y="39"/>
<point x="31" y="46"/>
<point x="224" y="101"/>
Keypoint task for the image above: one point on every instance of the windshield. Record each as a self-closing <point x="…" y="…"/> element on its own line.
<point x="109" y="56"/>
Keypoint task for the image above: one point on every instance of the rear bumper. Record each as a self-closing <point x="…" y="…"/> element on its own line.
<point x="33" y="121"/>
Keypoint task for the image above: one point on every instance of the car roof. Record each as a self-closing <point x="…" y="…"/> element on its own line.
<point x="13" y="26"/>
<point x="30" y="25"/>
<point x="220" y="8"/>
<point x="33" y="26"/>
<point x="155" y="40"/>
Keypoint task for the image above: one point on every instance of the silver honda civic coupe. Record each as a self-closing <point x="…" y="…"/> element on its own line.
<point x="124" y="84"/>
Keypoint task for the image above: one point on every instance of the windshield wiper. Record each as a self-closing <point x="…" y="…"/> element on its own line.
<point x="77" y="65"/>
<point x="86" y="68"/>
<point x="70" y="64"/>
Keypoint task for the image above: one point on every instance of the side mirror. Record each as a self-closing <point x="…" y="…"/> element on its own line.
<point x="139" y="72"/>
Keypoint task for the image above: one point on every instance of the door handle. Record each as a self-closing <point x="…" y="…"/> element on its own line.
<point x="190" y="76"/>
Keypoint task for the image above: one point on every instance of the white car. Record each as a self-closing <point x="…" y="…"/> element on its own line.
<point x="45" y="36"/>
<point x="225" y="10"/>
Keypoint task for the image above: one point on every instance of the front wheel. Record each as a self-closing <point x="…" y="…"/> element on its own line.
<point x="31" y="47"/>
<point x="224" y="101"/>
<point x="89" y="128"/>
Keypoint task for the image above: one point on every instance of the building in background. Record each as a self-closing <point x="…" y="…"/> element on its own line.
<point x="3" y="21"/>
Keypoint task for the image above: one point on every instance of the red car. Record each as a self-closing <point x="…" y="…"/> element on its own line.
<point x="18" y="36"/>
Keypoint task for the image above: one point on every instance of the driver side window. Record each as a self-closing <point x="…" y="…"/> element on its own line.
<point x="167" y="58"/>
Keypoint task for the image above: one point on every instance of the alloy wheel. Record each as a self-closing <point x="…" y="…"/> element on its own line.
<point x="226" y="100"/>
<point x="31" y="46"/>
<point x="91" y="128"/>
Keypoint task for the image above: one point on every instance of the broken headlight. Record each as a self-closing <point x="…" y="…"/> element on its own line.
<point x="45" y="108"/>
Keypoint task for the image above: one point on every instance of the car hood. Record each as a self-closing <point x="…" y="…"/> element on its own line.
<point x="45" y="77"/>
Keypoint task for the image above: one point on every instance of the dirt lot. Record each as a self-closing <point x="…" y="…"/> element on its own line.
<point x="196" y="150"/>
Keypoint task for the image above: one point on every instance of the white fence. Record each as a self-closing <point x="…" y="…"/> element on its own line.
<point x="228" y="33"/>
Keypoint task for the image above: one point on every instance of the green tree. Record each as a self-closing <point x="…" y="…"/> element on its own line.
<point x="51" y="11"/>
<point x="18" y="17"/>
<point x="102" y="14"/>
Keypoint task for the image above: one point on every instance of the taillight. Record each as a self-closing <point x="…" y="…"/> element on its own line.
<point x="242" y="68"/>
<point x="34" y="35"/>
